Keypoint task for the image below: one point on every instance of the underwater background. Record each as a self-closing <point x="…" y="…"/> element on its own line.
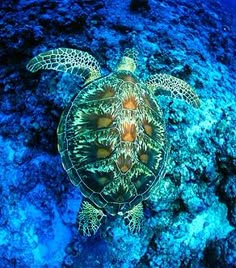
<point x="190" y="221"/>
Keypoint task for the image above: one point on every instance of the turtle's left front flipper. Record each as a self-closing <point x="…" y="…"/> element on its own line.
<point x="163" y="84"/>
<point x="68" y="60"/>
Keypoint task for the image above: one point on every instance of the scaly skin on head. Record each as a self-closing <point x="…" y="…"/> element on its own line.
<point x="128" y="61"/>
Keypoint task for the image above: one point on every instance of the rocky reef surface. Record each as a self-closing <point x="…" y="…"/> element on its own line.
<point x="190" y="219"/>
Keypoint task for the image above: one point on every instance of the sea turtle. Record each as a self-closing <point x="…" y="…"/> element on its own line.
<point x="112" y="137"/>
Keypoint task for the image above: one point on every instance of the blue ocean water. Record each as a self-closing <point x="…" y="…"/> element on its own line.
<point x="190" y="218"/>
<point x="230" y="7"/>
<point x="229" y="3"/>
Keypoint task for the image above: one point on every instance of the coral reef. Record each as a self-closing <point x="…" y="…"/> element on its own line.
<point x="191" y="216"/>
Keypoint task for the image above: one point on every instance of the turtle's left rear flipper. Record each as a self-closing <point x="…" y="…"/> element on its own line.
<point x="89" y="219"/>
<point x="163" y="84"/>
<point x="68" y="60"/>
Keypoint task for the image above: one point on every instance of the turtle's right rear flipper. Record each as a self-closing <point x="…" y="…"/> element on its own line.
<point x="134" y="218"/>
<point x="68" y="60"/>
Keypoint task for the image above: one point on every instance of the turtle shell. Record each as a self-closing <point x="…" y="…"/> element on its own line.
<point x="113" y="143"/>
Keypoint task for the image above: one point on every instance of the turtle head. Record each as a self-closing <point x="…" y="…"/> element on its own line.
<point x="128" y="61"/>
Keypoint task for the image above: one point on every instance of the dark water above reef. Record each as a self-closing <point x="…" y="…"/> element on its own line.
<point x="230" y="6"/>
<point x="190" y="218"/>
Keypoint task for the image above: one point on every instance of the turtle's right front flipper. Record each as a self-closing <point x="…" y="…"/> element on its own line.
<point x="164" y="84"/>
<point x="68" y="60"/>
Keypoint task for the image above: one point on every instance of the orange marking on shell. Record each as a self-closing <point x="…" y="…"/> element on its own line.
<point x="124" y="163"/>
<point x="129" y="132"/>
<point x="104" y="121"/>
<point x="127" y="78"/>
<point x="103" y="152"/>
<point x="147" y="128"/>
<point x="130" y="103"/>
<point x="103" y="180"/>
<point x="108" y="92"/>
<point x="144" y="158"/>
